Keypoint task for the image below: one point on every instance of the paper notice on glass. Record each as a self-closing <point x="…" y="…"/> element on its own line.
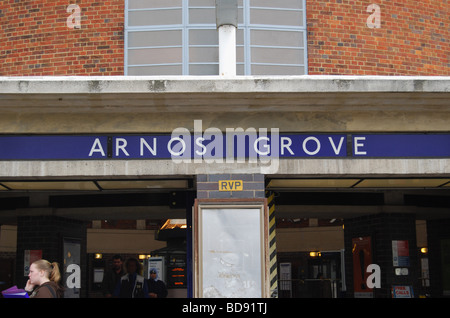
<point x="231" y="250"/>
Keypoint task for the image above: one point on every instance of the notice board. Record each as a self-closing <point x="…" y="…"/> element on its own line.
<point x="230" y="250"/>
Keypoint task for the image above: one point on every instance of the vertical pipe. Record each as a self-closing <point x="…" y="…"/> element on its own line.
<point x="227" y="50"/>
<point x="226" y="22"/>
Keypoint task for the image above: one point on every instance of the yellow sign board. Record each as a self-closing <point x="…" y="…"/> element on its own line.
<point x="231" y="185"/>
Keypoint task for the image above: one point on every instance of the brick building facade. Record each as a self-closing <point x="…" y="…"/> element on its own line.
<point x="411" y="38"/>
<point x="37" y="41"/>
<point x="339" y="37"/>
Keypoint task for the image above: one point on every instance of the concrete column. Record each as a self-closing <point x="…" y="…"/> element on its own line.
<point x="236" y="189"/>
<point x="208" y="186"/>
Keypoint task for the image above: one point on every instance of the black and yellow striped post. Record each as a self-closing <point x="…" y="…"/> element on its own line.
<point x="272" y="246"/>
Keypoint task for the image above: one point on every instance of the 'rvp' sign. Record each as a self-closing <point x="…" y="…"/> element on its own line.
<point x="231" y="185"/>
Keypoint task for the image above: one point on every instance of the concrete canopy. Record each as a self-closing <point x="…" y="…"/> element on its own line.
<point x="344" y="104"/>
<point x="120" y="105"/>
<point x="237" y="94"/>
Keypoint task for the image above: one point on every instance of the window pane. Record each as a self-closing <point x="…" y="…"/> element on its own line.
<point x="277" y="70"/>
<point x="240" y="58"/>
<point x="278" y="56"/>
<point x="203" y="37"/>
<point x="203" y="69"/>
<point x="202" y="16"/>
<point x="155" y="70"/>
<point x="240" y="69"/>
<point x="157" y="17"/>
<point x="155" y="56"/>
<point x="290" y="4"/>
<point x="240" y="37"/>
<point x="277" y="38"/>
<point x="240" y="15"/>
<point x="202" y="3"/>
<point x="146" y="4"/>
<point x="154" y="38"/>
<point x="276" y="17"/>
<point x="203" y="54"/>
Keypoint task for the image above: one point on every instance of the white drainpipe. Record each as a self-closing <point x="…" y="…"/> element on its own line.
<point x="226" y="21"/>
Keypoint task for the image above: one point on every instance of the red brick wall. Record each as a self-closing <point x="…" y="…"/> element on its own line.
<point x="36" y="40"/>
<point x="413" y="38"/>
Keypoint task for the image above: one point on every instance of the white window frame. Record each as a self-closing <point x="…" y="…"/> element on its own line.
<point x="246" y="26"/>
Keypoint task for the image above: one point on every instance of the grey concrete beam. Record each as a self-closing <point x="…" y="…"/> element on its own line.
<point x="161" y="104"/>
<point x="212" y="94"/>
<point x="214" y="84"/>
<point x="113" y="169"/>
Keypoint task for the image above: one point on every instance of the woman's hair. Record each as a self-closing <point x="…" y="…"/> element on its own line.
<point x="51" y="269"/>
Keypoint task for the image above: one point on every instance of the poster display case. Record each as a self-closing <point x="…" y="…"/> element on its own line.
<point x="230" y="248"/>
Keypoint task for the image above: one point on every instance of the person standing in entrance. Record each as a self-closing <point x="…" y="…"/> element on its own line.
<point x="132" y="285"/>
<point x="156" y="287"/>
<point x="43" y="280"/>
<point x="112" y="277"/>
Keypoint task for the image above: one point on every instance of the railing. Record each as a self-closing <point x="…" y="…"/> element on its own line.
<point x="309" y="288"/>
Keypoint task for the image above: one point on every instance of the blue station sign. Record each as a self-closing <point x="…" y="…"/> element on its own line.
<point x="95" y="147"/>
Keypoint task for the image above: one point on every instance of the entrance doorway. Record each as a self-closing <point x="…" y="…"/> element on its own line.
<point x="123" y="214"/>
<point x="121" y="217"/>
<point x="311" y="274"/>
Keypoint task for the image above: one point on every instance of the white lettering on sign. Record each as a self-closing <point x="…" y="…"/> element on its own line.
<point x="317" y="149"/>
<point x="212" y="151"/>
<point x="97" y="147"/>
<point x="151" y="149"/>
<point x="338" y="149"/>
<point x="236" y="145"/>
<point x="316" y="145"/>
<point x="121" y="144"/>
<point x="199" y="142"/>
<point x="357" y="141"/>
<point x="286" y="142"/>
<point x="265" y="146"/>
<point x="178" y="151"/>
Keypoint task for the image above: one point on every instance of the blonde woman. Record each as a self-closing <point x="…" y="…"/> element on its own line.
<point x="43" y="280"/>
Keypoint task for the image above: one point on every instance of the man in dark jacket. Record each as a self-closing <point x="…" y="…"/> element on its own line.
<point x="156" y="287"/>
<point x="112" y="277"/>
